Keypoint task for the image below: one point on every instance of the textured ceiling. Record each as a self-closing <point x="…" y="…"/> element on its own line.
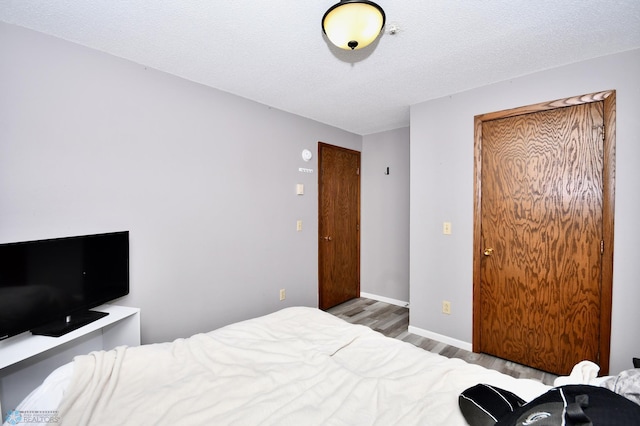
<point x="274" y="52"/>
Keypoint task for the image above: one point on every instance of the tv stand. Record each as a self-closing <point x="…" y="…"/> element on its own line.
<point x="68" y="324"/>
<point x="26" y="359"/>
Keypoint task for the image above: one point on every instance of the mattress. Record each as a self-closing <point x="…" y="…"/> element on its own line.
<point x="296" y="366"/>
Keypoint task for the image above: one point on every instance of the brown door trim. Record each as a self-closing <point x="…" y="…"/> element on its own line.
<point x="609" y="99"/>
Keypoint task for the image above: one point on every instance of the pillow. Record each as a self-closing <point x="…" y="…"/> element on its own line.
<point x="484" y="405"/>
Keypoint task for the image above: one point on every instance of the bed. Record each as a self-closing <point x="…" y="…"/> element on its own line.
<point x="292" y="367"/>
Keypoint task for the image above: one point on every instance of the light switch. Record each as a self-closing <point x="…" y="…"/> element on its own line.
<point x="299" y="225"/>
<point x="300" y="189"/>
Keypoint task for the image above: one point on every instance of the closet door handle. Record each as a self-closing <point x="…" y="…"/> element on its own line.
<point x="327" y="238"/>
<point x="488" y="251"/>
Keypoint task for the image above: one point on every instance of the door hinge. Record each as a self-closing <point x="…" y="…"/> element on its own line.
<point x="601" y="246"/>
<point x="358" y="171"/>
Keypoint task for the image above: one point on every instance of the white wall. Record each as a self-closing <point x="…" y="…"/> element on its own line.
<point x="203" y="180"/>
<point x="385" y="215"/>
<point x="442" y="190"/>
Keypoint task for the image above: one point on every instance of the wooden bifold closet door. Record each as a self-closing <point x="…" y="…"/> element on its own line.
<point x="541" y="237"/>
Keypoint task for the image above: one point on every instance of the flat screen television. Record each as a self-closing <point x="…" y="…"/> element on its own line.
<point x="49" y="286"/>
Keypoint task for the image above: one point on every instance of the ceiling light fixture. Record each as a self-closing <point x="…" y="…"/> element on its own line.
<point x="353" y="24"/>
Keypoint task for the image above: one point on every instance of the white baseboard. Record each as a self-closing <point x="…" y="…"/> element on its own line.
<point x="385" y="299"/>
<point x="419" y="331"/>
<point x="441" y="338"/>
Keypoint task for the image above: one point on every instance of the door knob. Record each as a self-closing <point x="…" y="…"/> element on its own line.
<point x="488" y="251"/>
<point x="327" y="238"/>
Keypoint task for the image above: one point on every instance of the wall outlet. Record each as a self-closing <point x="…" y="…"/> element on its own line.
<point x="283" y="294"/>
<point x="446" y="228"/>
<point x="446" y="307"/>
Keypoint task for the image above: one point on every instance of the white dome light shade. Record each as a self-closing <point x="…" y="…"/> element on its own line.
<point x="353" y="24"/>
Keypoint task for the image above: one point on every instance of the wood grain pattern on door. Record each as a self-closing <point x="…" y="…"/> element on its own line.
<point x="542" y="231"/>
<point x="338" y="225"/>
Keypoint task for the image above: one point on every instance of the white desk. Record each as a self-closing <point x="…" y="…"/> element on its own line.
<point x="26" y="360"/>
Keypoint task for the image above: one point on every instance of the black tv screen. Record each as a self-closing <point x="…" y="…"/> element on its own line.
<point x="48" y="286"/>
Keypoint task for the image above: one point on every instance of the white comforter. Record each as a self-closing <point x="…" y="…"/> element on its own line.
<point x="298" y="366"/>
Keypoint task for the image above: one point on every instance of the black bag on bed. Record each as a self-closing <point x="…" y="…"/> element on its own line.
<point x="484" y="405"/>
<point x="570" y="405"/>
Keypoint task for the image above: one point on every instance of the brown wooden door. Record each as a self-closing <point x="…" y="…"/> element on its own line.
<point x="542" y="237"/>
<point x="338" y="225"/>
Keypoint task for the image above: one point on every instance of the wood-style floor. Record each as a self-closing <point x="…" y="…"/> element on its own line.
<point x="393" y="321"/>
